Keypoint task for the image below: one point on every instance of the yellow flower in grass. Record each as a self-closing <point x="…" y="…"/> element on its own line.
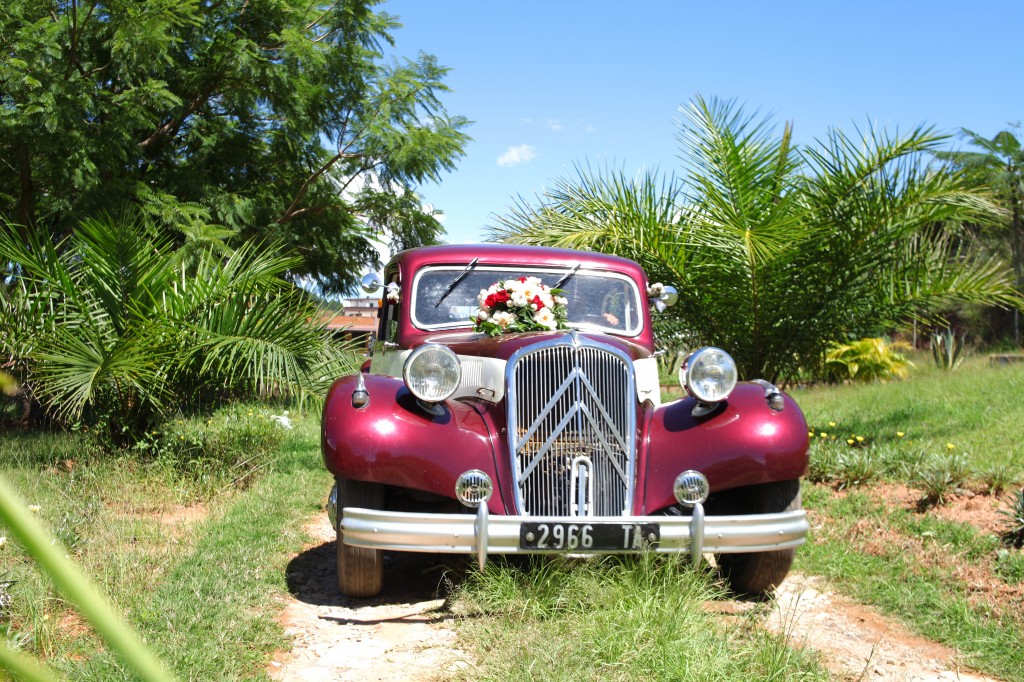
<point x="824" y="435"/>
<point x="900" y="434"/>
<point x="860" y="439"/>
<point x="810" y="434"/>
<point x="832" y="424"/>
<point x="950" y="446"/>
<point x="849" y="441"/>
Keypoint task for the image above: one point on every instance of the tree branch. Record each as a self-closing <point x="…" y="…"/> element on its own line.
<point x="313" y="24"/>
<point x="293" y="210"/>
<point x="171" y="128"/>
<point x="23" y="210"/>
<point x="311" y="210"/>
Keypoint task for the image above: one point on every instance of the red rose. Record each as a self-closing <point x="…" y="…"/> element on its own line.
<point x="537" y="302"/>
<point x="523" y="280"/>
<point x="494" y="299"/>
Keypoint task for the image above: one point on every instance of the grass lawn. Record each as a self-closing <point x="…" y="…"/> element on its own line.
<point x="193" y="550"/>
<point x="194" y="559"/>
<point x="977" y="409"/>
<point x="876" y="533"/>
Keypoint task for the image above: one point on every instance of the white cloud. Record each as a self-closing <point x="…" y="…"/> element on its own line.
<point x="514" y="156"/>
<point x="554" y="124"/>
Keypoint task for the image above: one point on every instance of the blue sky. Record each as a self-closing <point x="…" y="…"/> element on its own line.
<point x="550" y="85"/>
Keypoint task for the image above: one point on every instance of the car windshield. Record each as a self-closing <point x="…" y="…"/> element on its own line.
<point x="598" y="300"/>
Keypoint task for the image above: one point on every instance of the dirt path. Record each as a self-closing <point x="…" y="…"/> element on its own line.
<point x="856" y="642"/>
<point x="405" y="635"/>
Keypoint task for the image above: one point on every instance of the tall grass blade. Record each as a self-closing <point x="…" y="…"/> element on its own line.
<point x="77" y="588"/>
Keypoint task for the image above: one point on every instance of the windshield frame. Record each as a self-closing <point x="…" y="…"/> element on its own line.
<point x="549" y="273"/>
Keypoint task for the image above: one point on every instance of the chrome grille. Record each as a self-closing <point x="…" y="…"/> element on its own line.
<point x="572" y="425"/>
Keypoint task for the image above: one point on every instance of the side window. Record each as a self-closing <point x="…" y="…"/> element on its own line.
<point x="389" y="315"/>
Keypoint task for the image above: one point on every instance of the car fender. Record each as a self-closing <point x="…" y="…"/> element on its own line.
<point x="393" y="440"/>
<point x="743" y="442"/>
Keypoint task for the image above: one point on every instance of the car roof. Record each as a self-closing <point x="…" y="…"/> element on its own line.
<point x="412" y="260"/>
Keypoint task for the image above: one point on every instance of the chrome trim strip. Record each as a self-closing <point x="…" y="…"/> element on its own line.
<point x="458" y="534"/>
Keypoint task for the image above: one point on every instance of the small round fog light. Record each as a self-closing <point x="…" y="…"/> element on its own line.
<point x="690" y="488"/>
<point x="473" y="488"/>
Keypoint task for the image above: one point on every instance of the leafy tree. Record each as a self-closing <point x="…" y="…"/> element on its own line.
<point x="778" y="251"/>
<point x="999" y="165"/>
<point x="278" y="120"/>
<point x="109" y="328"/>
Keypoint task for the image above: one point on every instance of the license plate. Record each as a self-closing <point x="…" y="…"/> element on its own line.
<point x="561" y="536"/>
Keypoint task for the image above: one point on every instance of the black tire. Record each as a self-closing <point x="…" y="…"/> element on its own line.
<point x="360" y="570"/>
<point x="757" y="574"/>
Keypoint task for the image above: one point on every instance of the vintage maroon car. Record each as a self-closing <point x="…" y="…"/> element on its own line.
<point x="553" y="441"/>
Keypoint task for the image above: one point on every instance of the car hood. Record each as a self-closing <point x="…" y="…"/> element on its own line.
<point x="503" y="346"/>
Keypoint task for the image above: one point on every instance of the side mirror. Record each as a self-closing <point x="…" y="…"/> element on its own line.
<point x="664" y="296"/>
<point x="371" y="283"/>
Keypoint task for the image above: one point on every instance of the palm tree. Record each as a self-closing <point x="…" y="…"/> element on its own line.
<point x="776" y="250"/>
<point x="115" y="327"/>
<point x="1000" y="166"/>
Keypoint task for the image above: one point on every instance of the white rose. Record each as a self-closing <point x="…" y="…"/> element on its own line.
<point x="503" y="319"/>
<point x="545" y="318"/>
<point x="532" y="287"/>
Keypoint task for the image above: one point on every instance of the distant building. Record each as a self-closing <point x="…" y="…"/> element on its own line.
<point x="361" y="307"/>
<point x="357" y="320"/>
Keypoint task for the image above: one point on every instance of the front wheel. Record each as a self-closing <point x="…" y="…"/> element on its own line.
<point x="360" y="570"/>
<point x="757" y="574"/>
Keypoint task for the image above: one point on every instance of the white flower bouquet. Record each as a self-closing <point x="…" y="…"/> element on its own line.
<point x="522" y="304"/>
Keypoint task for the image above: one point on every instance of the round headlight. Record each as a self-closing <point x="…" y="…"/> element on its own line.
<point x="708" y="374"/>
<point x="432" y="373"/>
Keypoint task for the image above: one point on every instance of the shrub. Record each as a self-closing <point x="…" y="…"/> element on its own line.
<point x="114" y="328"/>
<point x="998" y="477"/>
<point x="947" y="350"/>
<point x="872" y="359"/>
<point x="936" y="484"/>
<point x="1013" y="534"/>
<point x="229" y="446"/>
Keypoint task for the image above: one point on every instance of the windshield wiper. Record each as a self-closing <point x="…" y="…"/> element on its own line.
<point x="566" y="276"/>
<point x="455" y="281"/>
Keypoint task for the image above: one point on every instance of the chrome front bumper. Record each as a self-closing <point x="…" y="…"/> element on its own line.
<point x="484" y="534"/>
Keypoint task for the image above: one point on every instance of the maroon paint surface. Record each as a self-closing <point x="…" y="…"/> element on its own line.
<point x="394" y="441"/>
